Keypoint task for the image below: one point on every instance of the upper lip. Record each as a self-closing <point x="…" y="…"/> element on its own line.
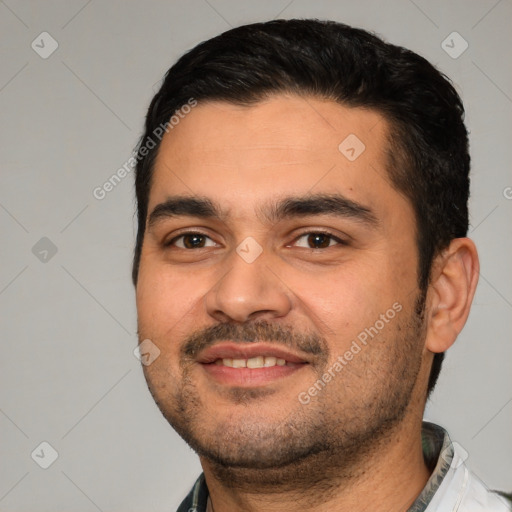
<point x="230" y="350"/>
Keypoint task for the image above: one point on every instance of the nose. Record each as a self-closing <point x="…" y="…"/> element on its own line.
<point x="248" y="290"/>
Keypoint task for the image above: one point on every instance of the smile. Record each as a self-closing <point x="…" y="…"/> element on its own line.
<point x="250" y="364"/>
<point x="253" y="362"/>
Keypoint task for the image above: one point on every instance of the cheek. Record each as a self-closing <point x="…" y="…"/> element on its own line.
<point x="346" y="300"/>
<point x="356" y="308"/>
<point x="165" y="315"/>
<point x="166" y="301"/>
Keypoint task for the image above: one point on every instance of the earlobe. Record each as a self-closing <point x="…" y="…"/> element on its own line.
<point x="453" y="285"/>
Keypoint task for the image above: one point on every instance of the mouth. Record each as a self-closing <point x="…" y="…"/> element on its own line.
<point x="257" y="364"/>
<point x="253" y="362"/>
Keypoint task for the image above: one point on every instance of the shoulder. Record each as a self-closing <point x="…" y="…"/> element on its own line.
<point x="463" y="491"/>
<point x="480" y="498"/>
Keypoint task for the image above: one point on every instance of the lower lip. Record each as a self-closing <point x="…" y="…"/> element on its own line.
<point x="250" y="377"/>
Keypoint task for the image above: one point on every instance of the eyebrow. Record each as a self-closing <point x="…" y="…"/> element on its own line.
<point x="271" y="212"/>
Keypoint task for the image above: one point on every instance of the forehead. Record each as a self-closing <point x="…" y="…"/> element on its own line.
<point x="242" y="156"/>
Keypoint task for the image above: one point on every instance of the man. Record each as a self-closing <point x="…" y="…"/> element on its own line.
<point x="302" y="265"/>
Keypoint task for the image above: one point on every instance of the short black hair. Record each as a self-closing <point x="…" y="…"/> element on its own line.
<point x="428" y="158"/>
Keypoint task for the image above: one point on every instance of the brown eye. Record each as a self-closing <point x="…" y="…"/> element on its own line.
<point x="191" y="241"/>
<point x="317" y="240"/>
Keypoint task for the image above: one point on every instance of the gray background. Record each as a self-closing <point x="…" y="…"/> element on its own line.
<point x="69" y="121"/>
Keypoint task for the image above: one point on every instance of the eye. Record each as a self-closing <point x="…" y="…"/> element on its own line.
<point x="318" y="240"/>
<point x="191" y="240"/>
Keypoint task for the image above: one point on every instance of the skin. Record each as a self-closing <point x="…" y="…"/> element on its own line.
<point x="357" y="443"/>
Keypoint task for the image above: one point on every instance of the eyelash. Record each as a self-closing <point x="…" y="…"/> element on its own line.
<point x="315" y="232"/>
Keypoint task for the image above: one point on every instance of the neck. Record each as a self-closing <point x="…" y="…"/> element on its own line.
<point x="386" y="474"/>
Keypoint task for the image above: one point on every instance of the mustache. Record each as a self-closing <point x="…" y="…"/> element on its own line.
<point x="309" y="343"/>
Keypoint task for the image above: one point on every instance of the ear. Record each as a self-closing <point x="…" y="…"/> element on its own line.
<point x="452" y="288"/>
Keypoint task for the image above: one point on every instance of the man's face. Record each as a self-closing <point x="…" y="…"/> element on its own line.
<point x="308" y="275"/>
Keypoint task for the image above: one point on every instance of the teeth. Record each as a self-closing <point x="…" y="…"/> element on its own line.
<point x="253" y="362"/>
<point x="256" y="362"/>
<point x="269" y="361"/>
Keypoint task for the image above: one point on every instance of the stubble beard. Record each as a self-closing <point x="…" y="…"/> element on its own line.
<point x="319" y="443"/>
